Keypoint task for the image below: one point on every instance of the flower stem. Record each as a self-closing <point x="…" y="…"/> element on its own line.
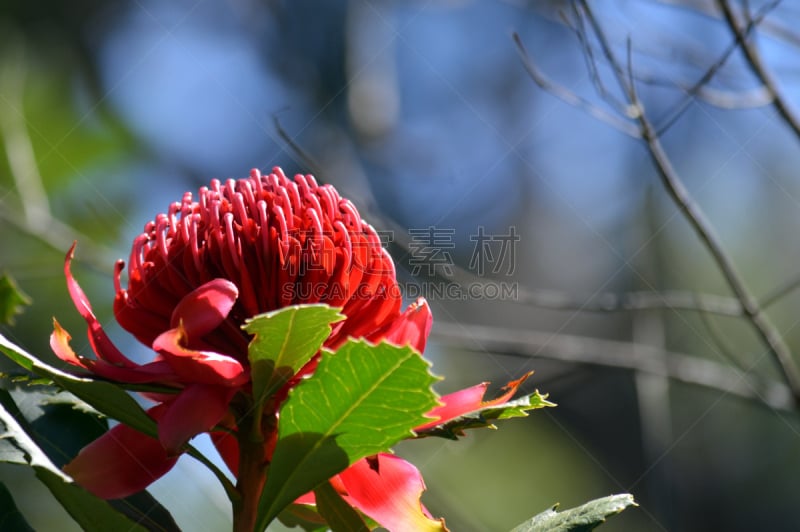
<point x="254" y="437"/>
<point x="252" y="475"/>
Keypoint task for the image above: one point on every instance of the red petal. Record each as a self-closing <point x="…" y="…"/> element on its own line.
<point x="388" y="489"/>
<point x="121" y="462"/>
<point x="468" y="400"/>
<point x="195" y="410"/>
<point x="205" y="308"/>
<point x="196" y="367"/>
<point x="141" y="323"/>
<point x="152" y="372"/>
<point x="101" y="343"/>
<point x="412" y="327"/>
<point x="59" y="343"/>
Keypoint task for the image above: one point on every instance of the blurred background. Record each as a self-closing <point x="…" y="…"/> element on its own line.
<point x="580" y="265"/>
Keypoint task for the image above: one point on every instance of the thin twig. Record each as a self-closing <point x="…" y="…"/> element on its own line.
<point x="554" y="299"/>
<point x="780" y="292"/>
<point x="770" y="27"/>
<point x="570" y="97"/>
<point x="700" y="223"/>
<point x="757" y="66"/>
<point x="613" y="354"/>
<point x="709" y="74"/>
<point x="580" y="31"/>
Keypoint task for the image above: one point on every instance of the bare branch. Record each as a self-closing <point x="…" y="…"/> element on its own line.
<point x="707" y="8"/>
<point x="776" y="295"/>
<point x="579" y="29"/>
<point x="553" y="299"/>
<point x="613" y="354"/>
<point x="569" y="97"/>
<point x="757" y="66"/>
<point x="700" y="223"/>
<point x="763" y="92"/>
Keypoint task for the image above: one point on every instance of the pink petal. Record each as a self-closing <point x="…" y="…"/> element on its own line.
<point x="468" y="400"/>
<point x="412" y="327"/>
<point x="388" y="489"/>
<point x="203" y="309"/>
<point x="121" y="462"/>
<point x="101" y="343"/>
<point x="198" y="367"/>
<point x="195" y="410"/>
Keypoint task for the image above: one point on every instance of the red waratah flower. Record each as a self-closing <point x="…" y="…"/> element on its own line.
<point x="195" y="275"/>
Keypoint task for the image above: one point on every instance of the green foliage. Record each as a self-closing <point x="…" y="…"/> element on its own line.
<point x="10" y="517"/>
<point x="305" y="516"/>
<point x="17" y="447"/>
<point x="12" y="299"/>
<point x="144" y="509"/>
<point x="108" y="399"/>
<point x="581" y="519"/>
<point x="340" y="516"/>
<point x="360" y="401"/>
<point x="65" y="420"/>
<point x="483" y="418"/>
<point x="285" y="340"/>
<point x="60" y="423"/>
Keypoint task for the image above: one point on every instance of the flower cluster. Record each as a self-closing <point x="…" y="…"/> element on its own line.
<point x="195" y="275"/>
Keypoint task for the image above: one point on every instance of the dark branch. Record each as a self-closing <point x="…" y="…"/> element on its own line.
<point x="699" y="222"/>
<point x="757" y="66"/>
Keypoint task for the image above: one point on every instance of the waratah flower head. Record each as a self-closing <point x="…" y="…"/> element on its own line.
<point x="280" y="241"/>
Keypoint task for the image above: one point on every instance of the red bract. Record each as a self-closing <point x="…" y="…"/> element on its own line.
<point x="195" y="275"/>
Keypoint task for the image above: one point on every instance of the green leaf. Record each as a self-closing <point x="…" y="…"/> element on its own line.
<point x="284" y="341"/>
<point x="107" y="398"/>
<point x="519" y="407"/>
<point x="340" y="516"/>
<point x="360" y="401"/>
<point x="12" y="300"/>
<point x="61" y="425"/>
<point x="581" y="519"/>
<point x="111" y="401"/>
<point x="305" y="516"/>
<point x="17" y="447"/>
<point x="144" y="509"/>
<point x="10" y="517"/>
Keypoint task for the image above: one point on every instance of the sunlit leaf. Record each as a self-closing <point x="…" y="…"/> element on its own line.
<point x="17" y="447"/>
<point x="484" y="418"/>
<point x="305" y="516"/>
<point x="144" y="509"/>
<point x="285" y="340"/>
<point x="340" y="516"/>
<point x="107" y="398"/>
<point x="581" y="519"/>
<point x="60" y="423"/>
<point x="360" y="401"/>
